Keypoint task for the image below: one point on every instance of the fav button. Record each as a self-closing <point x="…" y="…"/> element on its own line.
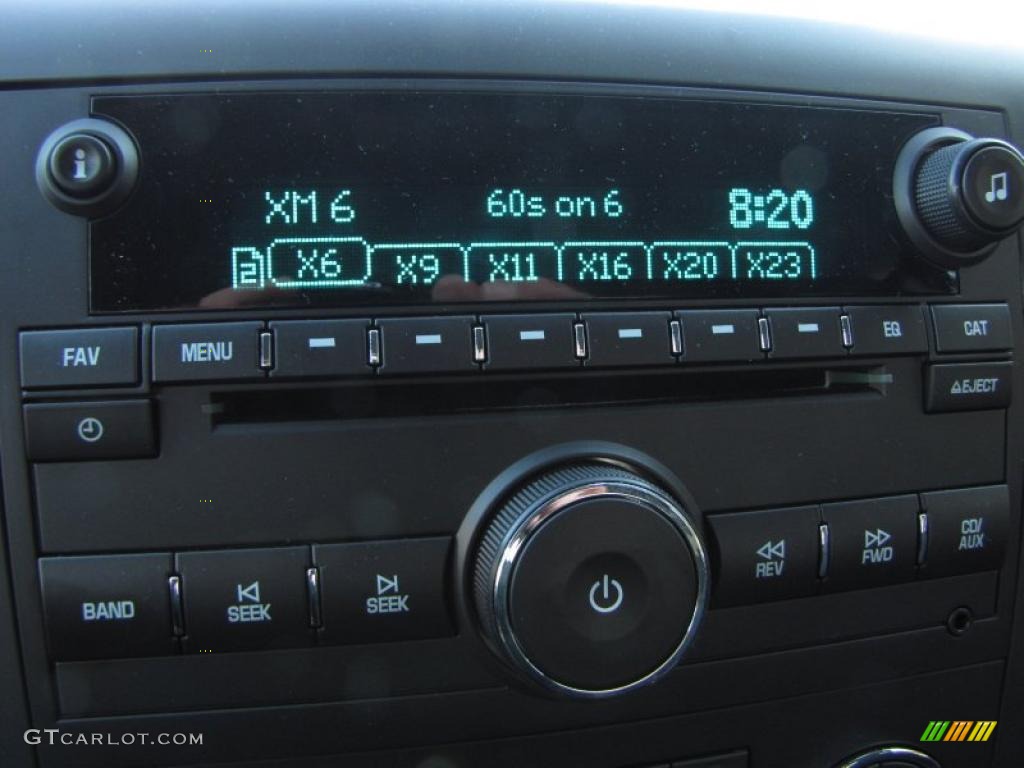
<point x="765" y="555"/>
<point x="383" y="591"/>
<point x="245" y="600"/>
<point x="967" y="529"/>
<point x="887" y="330"/>
<point x="874" y="542"/>
<point x="109" y="606"/>
<point x="80" y="357"/>
<point x="972" y="327"/>
<point x="119" y="429"/>
<point x="206" y="351"/>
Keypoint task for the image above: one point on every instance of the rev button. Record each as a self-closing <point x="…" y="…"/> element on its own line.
<point x="206" y="351"/>
<point x="765" y="555"/>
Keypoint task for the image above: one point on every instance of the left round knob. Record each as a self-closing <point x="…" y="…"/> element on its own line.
<point x="87" y="167"/>
<point x="590" y="580"/>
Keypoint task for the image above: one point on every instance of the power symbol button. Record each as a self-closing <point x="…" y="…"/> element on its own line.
<point x="606" y="595"/>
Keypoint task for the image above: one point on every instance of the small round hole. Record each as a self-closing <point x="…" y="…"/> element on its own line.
<point x="959" y="621"/>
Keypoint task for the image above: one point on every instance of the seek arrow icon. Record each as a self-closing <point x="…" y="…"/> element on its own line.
<point x="877" y="538"/>
<point x="771" y="550"/>
<point x="386" y="584"/>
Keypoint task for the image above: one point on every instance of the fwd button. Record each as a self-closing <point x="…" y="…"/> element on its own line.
<point x="873" y="542"/>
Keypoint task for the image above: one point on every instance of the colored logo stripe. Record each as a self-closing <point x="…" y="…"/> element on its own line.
<point x="935" y="730"/>
<point x="958" y="730"/>
<point x="982" y="730"/>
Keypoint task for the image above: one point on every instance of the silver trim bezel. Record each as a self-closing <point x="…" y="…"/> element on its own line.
<point x="535" y="518"/>
<point x="876" y="756"/>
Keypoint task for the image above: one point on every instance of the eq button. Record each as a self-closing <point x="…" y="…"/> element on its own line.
<point x="888" y="330"/>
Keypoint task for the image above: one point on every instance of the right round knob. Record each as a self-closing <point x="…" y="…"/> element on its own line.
<point x="957" y="196"/>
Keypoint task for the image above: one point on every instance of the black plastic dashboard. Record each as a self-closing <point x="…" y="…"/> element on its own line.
<point x="148" y="470"/>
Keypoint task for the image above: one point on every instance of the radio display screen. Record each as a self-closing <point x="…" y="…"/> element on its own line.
<point x="356" y="198"/>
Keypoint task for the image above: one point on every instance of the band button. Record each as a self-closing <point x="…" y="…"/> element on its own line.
<point x="109" y="606"/>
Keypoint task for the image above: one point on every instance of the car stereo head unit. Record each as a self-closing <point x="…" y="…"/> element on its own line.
<point x="514" y="395"/>
<point x="413" y="198"/>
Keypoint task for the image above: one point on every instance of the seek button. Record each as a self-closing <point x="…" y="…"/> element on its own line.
<point x="383" y="591"/>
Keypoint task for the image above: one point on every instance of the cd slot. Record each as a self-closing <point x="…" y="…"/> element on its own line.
<point x="410" y="398"/>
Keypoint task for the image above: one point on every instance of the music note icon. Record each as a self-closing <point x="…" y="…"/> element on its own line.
<point x="998" y="191"/>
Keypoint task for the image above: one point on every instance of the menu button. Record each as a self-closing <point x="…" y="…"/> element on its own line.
<point x="206" y="351"/>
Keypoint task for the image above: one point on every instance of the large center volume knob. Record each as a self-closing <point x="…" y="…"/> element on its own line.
<point x="590" y="580"/>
